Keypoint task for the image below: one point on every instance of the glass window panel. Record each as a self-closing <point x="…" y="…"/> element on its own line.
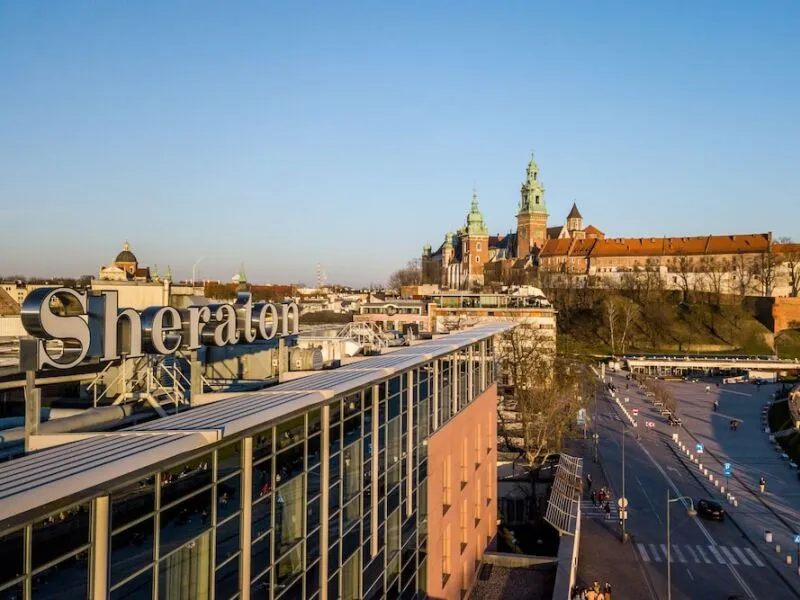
<point x="312" y="546"/>
<point x="229" y="459"/>
<point x="394" y="385"/>
<point x="333" y="557"/>
<point x="335" y="438"/>
<point x="374" y="571"/>
<point x="408" y="576"/>
<point x="335" y="412"/>
<point x="228" y="497"/>
<point x="333" y="527"/>
<point x="66" y="579"/>
<point x="227" y="539"/>
<point x="334" y="501"/>
<point x="260" y="556"/>
<point x="13" y="592"/>
<point x="393" y="533"/>
<point x="185" y="520"/>
<point x="367" y="470"/>
<point x="352" y="404"/>
<point x="393" y="473"/>
<point x="314" y="479"/>
<point x="312" y="579"/>
<point x="394" y="407"/>
<point x="261" y="586"/>
<point x="262" y="445"/>
<point x="289" y="566"/>
<point x="11" y="549"/>
<point x="132" y="502"/>
<point x="226" y="582"/>
<point x="422" y="577"/>
<point x="367" y="446"/>
<point x="290" y="432"/>
<point x="313" y="514"/>
<point x="335" y="469"/>
<point x="290" y="506"/>
<point x="61" y="533"/>
<point x="350" y="543"/>
<point x="262" y="516"/>
<point x="352" y="429"/>
<point x="262" y="479"/>
<point x="351" y="513"/>
<point x="293" y="592"/>
<point x="393" y="501"/>
<point x="132" y="549"/>
<point x="314" y="445"/>
<point x="289" y="464"/>
<point x="366" y="524"/>
<point x="314" y="421"/>
<point x="381" y="413"/>
<point x="182" y="480"/>
<point x="185" y="573"/>
<point x="367" y="420"/>
<point x="138" y="588"/>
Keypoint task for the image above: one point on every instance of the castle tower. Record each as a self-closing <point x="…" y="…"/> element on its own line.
<point x="575" y="223"/>
<point x="475" y="253"/>
<point x="448" y="253"/>
<point x="532" y="215"/>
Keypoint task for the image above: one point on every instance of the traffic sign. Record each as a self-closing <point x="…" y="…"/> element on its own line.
<point x="622" y="503"/>
<point x="581" y="416"/>
<point x="796" y="538"/>
<point x="699" y="448"/>
<point x="635" y="412"/>
<point x="726" y="469"/>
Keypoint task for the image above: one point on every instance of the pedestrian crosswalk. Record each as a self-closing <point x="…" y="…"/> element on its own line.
<point x="699" y="554"/>
<point x="589" y="510"/>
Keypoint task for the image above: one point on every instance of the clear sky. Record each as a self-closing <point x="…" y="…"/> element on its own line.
<point x="283" y="134"/>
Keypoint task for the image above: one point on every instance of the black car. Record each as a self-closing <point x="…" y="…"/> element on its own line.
<point x="708" y="509"/>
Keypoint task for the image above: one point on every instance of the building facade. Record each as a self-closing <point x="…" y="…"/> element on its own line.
<point x="745" y="264"/>
<point x="376" y="480"/>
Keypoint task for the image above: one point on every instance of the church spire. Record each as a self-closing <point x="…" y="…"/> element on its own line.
<point x="475" y="222"/>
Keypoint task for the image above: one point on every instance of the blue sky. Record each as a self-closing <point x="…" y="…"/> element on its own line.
<point x="350" y="133"/>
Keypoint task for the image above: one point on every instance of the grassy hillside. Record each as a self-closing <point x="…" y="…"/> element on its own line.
<point x="667" y="325"/>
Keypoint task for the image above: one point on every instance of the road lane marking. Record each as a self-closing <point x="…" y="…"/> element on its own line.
<point x="700" y="526"/>
<point x="664" y="551"/>
<point x="690" y="574"/>
<point x="703" y="555"/>
<point x="717" y="555"/>
<point x="754" y="557"/>
<point x="654" y="552"/>
<point x="678" y="553"/>
<point x="742" y="557"/>
<point x="731" y="558"/>
<point x="643" y="552"/>
<point x="694" y="556"/>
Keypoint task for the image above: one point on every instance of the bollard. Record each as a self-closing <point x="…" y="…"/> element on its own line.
<point x="768" y="537"/>
<point x="711" y="477"/>
<point x="691" y="457"/>
<point x="789" y="559"/>
<point x="716" y="483"/>
<point x="777" y="548"/>
<point x="722" y="490"/>
<point x="735" y="502"/>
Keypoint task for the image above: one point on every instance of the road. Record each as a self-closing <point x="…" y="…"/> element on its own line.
<point x="709" y="559"/>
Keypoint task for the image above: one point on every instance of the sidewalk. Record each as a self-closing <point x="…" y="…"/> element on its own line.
<point x="602" y="556"/>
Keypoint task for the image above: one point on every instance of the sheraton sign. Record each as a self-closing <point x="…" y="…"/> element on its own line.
<point x="91" y="325"/>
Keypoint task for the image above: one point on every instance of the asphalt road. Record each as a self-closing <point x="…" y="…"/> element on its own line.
<point x="709" y="559"/>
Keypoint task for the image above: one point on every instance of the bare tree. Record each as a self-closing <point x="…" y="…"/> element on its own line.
<point x="611" y="313"/>
<point x="684" y="269"/>
<point x="765" y="268"/>
<point x="630" y="312"/>
<point x="411" y="274"/>
<point x="743" y="268"/>
<point x="714" y="269"/>
<point x="790" y="257"/>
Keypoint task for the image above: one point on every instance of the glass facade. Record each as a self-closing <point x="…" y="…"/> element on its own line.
<point x="329" y="502"/>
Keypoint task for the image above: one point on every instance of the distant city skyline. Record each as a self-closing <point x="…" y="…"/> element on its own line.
<point x="350" y="134"/>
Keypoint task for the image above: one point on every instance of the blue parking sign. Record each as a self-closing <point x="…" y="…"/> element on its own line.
<point x="699" y="448"/>
<point x="726" y="469"/>
<point x="796" y="538"/>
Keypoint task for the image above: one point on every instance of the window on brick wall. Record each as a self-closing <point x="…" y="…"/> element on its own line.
<point x="464" y="462"/>
<point x="478" y="504"/>
<point x="464" y="520"/>
<point x="478" y="438"/>
<point x="447" y="492"/>
<point x="447" y="567"/>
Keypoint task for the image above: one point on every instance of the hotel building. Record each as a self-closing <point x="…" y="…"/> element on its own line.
<point x="375" y="480"/>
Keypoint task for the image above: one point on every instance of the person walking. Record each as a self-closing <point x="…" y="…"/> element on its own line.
<point x="607" y="508"/>
<point x="716" y="405"/>
<point x="594" y="497"/>
<point x="762" y="484"/>
<point x="589" y="482"/>
<point x="607" y="590"/>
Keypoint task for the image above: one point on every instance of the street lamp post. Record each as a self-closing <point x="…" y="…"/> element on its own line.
<point x="691" y="512"/>
<point x="623" y="507"/>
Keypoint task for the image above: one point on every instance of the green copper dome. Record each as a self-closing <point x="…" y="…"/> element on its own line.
<point x="475" y="222"/>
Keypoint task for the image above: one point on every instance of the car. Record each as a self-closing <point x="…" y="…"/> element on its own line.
<point x="709" y="509"/>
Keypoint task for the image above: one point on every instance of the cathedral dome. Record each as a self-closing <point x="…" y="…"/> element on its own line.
<point x="126" y="256"/>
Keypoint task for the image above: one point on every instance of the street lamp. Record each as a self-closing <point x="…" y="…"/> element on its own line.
<point x="692" y="513"/>
<point x="623" y="501"/>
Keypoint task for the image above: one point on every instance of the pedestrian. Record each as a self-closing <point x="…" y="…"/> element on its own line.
<point x="589" y="481"/>
<point x="608" y="591"/>
<point x="716" y="405"/>
<point x="762" y="484"/>
<point x="608" y="511"/>
<point x="594" y="497"/>
<point x="591" y="594"/>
